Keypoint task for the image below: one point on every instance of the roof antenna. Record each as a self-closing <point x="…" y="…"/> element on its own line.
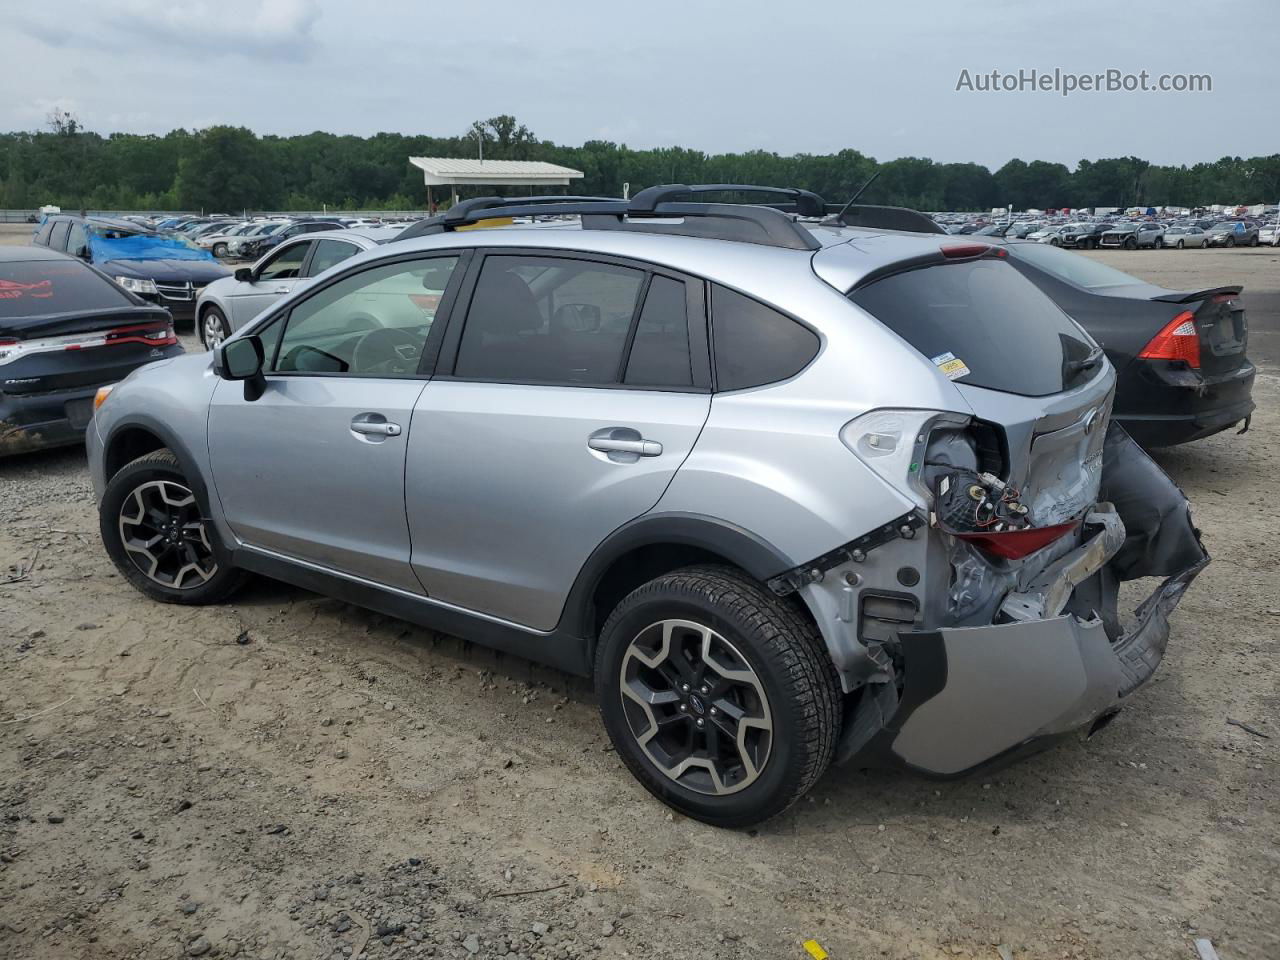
<point x="839" y="217"/>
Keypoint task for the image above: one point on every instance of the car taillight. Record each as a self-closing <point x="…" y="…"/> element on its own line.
<point x="1016" y="544"/>
<point x="967" y="251"/>
<point x="1179" y="340"/>
<point x="156" y="334"/>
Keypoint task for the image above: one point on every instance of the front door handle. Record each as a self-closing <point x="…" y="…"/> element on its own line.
<point x="374" y="427"/>
<point x="641" y="448"/>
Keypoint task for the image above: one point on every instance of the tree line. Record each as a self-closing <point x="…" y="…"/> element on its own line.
<point x="229" y="169"/>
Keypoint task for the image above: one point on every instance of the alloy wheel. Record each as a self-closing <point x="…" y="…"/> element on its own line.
<point x="696" y="707"/>
<point x="164" y="535"/>
<point x="214" y="332"/>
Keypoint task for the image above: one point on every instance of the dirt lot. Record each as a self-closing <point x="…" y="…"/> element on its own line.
<point x="287" y="776"/>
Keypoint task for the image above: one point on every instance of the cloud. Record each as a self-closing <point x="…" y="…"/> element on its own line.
<point x="279" y="29"/>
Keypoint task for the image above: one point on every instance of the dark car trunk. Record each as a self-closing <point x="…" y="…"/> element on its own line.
<point x="1220" y="320"/>
<point x="83" y="351"/>
<point x="1160" y="399"/>
<point x="63" y="325"/>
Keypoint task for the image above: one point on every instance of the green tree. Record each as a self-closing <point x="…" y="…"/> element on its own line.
<point x="219" y="171"/>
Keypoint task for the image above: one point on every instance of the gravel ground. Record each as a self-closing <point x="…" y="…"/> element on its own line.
<point x="288" y="776"/>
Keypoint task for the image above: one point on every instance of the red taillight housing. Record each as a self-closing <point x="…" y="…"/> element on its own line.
<point x="965" y="251"/>
<point x="1179" y="340"/>
<point x="1016" y="544"/>
<point x="158" y="334"/>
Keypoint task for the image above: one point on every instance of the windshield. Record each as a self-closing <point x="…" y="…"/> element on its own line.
<point x="1071" y="267"/>
<point x="981" y="313"/>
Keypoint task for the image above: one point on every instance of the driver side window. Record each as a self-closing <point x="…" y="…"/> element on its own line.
<point x="286" y="265"/>
<point x="371" y="324"/>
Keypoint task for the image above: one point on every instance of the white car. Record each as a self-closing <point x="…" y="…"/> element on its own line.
<point x="1270" y="234"/>
<point x="1180" y="237"/>
<point x="218" y="241"/>
<point x="228" y="304"/>
<point x="1050" y="235"/>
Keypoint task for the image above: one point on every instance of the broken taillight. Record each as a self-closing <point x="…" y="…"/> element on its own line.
<point x="1016" y="544"/>
<point x="1179" y="340"/>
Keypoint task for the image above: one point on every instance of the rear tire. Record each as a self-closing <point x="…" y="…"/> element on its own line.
<point x="717" y="671"/>
<point x="154" y="532"/>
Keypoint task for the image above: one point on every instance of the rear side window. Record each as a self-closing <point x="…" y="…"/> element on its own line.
<point x="754" y="344"/>
<point x="42" y="235"/>
<point x="660" y="352"/>
<point x="548" y="319"/>
<point x="984" y="313"/>
<point x="39" y="288"/>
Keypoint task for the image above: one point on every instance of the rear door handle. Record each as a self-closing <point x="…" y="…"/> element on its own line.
<point x="641" y="448"/>
<point x="374" y="427"/>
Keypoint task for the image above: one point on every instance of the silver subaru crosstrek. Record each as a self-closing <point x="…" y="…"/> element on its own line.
<point x="792" y="484"/>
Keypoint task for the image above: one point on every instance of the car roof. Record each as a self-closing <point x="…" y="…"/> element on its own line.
<point x="115" y="223"/>
<point x="778" y="275"/>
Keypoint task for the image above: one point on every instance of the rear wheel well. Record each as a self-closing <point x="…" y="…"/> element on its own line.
<point x="129" y="445"/>
<point x="642" y="564"/>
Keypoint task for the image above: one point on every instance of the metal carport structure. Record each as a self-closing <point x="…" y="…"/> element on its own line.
<point x="453" y="173"/>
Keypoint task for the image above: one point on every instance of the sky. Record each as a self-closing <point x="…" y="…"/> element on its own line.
<point x="808" y="76"/>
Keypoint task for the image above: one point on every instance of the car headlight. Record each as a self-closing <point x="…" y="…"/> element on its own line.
<point x="136" y="285"/>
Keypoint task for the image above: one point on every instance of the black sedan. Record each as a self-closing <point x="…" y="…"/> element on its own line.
<point x="1179" y="355"/>
<point x="65" y="331"/>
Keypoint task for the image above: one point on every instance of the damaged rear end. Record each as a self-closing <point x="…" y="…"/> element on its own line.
<point x="986" y="619"/>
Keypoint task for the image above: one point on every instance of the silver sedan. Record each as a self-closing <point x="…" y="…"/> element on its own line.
<point x="228" y="304"/>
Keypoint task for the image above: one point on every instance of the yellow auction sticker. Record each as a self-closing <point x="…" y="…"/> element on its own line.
<point x="952" y="367"/>
<point x="815" y="950"/>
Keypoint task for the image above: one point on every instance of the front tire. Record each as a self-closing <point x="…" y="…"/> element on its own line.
<point x="1231" y="242"/>
<point x="154" y="532"/>
<point x="720" y="697"/>
<point x="1131" y="244"/>
<point x="1179" y="244"/>
<point x="213" y="328"/>
<point x="220" y="250"/>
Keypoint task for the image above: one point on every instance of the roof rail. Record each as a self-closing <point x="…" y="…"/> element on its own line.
<point x="804" y="203"/>
<point x="651" y="210"/>
<point x="883" y="218"/>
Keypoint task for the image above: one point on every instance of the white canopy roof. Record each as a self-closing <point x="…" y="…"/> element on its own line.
<point x="447" y="171"/>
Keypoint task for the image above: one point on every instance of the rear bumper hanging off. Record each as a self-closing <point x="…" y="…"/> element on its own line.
<point x="1058" y="659"/>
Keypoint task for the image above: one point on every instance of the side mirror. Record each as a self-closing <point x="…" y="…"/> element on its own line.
<point x="244" y="274"/>
<point x="242" y="359"/>
<point x="83" y="252"/>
